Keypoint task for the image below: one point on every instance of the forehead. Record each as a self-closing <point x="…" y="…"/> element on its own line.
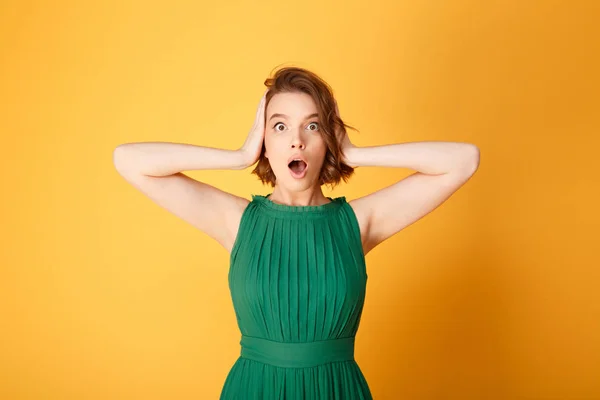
<point x="296" y="105"/>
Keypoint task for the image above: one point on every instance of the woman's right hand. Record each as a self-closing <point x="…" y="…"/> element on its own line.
<point x="253" y="145"/>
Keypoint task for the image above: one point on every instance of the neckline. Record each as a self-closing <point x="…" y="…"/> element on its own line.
<point x="284" y="208"/>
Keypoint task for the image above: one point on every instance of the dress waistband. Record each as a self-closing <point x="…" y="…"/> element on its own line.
<point x="297" y="355"/>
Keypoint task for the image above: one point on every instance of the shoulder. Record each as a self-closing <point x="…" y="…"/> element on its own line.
<point x="360" y="208"/>
<point x="234" y="218"/>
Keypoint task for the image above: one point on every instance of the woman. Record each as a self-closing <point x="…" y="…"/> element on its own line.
<point x="297" y="270"/>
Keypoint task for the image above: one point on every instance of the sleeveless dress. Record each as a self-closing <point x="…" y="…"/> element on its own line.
<point x="297" y="279"/>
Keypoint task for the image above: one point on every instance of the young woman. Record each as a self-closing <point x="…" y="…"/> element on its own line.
<point x="297" y="270"/>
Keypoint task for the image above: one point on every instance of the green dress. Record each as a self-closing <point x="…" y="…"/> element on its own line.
<point x="298" y="279"/>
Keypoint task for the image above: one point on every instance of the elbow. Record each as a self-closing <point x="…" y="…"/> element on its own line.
<point x="120" y="157"/>
<point x="473" y="157"/>
<point x="469" y="160"/>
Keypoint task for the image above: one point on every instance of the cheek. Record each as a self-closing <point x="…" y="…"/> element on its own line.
<point x="272" y="151"/>
<point x="322" y="149"/>
<point x="268" y="147"/>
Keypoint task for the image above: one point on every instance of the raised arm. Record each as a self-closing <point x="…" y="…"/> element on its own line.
<point x="156" y="169"/>
<point x="442" y="168"/>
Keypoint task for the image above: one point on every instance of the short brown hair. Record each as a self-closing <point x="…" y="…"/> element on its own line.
<point x="296" y="79"/>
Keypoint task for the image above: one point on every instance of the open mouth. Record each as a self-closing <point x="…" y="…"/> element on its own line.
<point x="298" y="168"/>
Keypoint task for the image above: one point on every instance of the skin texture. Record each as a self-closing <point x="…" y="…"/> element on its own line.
<point x="155" y="168"/>
<point x="441" y="169"/>
<point x="293" y="134"/>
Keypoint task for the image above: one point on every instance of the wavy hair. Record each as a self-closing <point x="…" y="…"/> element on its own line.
<point x="294" y="80"/>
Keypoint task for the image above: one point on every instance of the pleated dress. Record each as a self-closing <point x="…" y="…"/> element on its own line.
<point x="297" y="279"/>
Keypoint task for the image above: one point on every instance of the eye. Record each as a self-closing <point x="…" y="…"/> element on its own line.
<point x="312" y="123"/>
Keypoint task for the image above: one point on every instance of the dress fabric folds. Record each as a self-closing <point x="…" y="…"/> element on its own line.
<point x="297" y="279"/>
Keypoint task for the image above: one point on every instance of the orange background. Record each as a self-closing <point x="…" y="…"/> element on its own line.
<point x="495" y="295"/>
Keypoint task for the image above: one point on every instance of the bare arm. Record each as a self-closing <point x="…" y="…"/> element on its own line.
<point x="155" y="169"/>
<point x="442" y="168"/>
<point x="163" y="158"/>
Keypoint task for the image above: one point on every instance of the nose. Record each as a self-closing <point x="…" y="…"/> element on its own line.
<point x="297" y="142"/>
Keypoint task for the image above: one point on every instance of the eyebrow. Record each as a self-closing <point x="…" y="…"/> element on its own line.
<point x="285" y="116"/>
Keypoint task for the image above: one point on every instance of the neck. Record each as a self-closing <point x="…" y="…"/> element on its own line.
<point x="308" y="197"/>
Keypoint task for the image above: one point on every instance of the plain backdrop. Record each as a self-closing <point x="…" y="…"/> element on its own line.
<point x="494" y="295"/>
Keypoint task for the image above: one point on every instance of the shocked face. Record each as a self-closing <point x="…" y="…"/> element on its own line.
<point x="293" y="141"/>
